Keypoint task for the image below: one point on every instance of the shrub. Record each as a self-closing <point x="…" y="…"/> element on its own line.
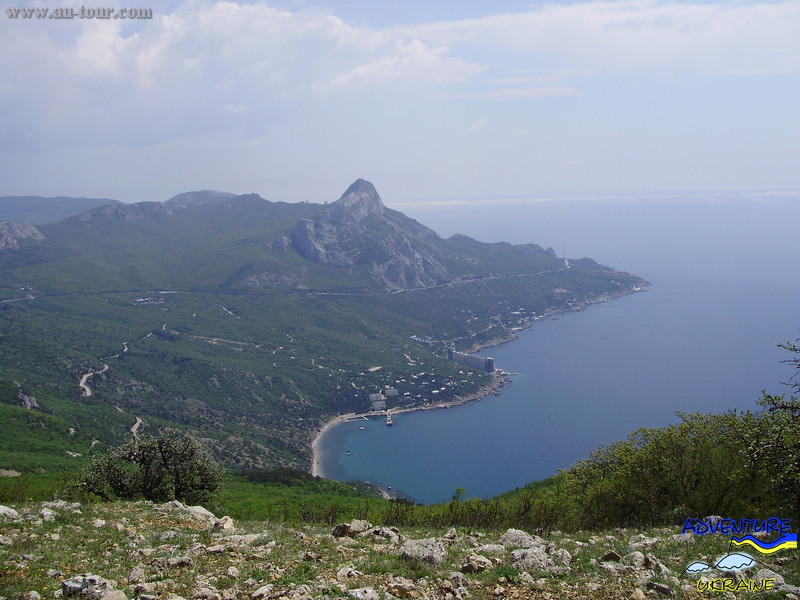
<point x="159" y="469"/>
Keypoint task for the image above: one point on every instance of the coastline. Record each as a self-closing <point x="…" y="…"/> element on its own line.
<point x="499" y="379"/>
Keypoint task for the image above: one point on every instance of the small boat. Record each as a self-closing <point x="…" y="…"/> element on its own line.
<point x="348" y="453"/>
<point x="361" y="429"/>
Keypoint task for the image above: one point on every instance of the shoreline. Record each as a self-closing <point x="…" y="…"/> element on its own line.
<point x="499" y="379"/>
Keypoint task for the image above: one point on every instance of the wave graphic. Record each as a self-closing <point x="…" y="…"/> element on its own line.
<point x="784" y="542"/>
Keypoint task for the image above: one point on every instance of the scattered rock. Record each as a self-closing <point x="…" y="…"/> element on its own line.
<point x="641" y="542"/>
<point x="263" y="592"/>
<point x="490" y="549"/>
<point x="354" y="527"/>
<point x="48" y="515"/>
<point x="137" y="574"/>
<point x="459" y="580"/>
<point x="531" y="558"/>
<point x="225" y="524"/>
<point x="389" y="533"/>
<point x="366" y="593"/>
<point x="345" y="573"/>
<point x="660" y="588"/>
<point x="476" y="564"/>
<point x="114" y="595"/>
<point x="768" y="574"/>
<point x="610" y="556"/>
<point x="427" y="550"/>
<point x="403" y="588"/>
<point x="359" y="526"/>
<point x="93" y="587"/>
<point x="560" y="556"/>
<point x="637" y="595"/>
<point x="635" y="559"/>
<point x="180" y="561"/>
<point x="516" y="538"/>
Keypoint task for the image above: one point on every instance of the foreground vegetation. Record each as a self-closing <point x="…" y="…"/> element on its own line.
<point x="155" y="550"/>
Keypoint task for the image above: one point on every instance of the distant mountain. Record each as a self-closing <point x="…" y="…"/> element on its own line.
<point x="246" y="321"/>
<point x="38" y="210"/>
<point x="201" y="197"/>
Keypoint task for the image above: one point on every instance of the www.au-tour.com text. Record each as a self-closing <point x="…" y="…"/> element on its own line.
<point x="83" y="12"/>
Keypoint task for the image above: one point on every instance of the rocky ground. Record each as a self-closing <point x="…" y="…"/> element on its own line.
<point x="171" y="551"/>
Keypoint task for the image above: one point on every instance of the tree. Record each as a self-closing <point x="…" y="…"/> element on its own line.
<point x="774" y="440"/>
<point x="167" y="467"/>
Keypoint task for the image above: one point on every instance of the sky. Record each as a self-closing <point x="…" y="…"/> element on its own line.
<point x="431" y="101"/>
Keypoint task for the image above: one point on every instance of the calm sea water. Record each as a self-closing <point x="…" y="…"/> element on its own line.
<point x="725" y="290"/>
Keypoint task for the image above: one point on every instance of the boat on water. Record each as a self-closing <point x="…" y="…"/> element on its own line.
<point x="389" y="420"/>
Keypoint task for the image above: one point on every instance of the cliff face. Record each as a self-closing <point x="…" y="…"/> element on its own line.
<point x="11" y="233"/>
<point x="359" y="201"/>
<point x="357" y="232"/>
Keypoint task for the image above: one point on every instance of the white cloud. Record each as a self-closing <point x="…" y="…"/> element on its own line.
<point x="411" y="61"/>
<point x="597" y="38"/>
<point x="249" y="75"/>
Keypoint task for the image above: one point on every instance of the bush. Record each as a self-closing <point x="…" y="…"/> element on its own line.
<point x="159" y="469"/>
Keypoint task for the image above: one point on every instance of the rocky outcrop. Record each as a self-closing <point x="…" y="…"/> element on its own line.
<point x="129" y="213"/>
<point x="11" y="233"/>
<point x="429" y="550"/>
<point x="358" y="202"/>
<point x="25" y="400"/>
<point x="358" y="233"/>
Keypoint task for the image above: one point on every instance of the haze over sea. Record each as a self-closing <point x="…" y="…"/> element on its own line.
<point x="725" y="274"/>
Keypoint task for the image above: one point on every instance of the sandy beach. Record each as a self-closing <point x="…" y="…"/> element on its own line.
<point x="316" y="459"/>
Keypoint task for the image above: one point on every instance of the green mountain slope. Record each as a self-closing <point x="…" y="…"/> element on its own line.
<point x="248" y="322"/>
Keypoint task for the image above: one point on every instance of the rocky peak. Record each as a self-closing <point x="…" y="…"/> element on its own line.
<point x="11" y="233"/>
<point x="359" y="201"/>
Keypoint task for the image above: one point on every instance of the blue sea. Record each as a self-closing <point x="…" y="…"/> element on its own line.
<point x="725" y="274"/>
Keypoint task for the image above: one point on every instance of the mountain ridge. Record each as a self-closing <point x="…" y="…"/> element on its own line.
<point x="211" y="317"/>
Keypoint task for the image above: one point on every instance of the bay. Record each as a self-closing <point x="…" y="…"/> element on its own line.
<point x="725" y="290"/>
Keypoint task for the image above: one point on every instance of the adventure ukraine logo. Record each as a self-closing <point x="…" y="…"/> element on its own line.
<point x="735" y="560"/>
